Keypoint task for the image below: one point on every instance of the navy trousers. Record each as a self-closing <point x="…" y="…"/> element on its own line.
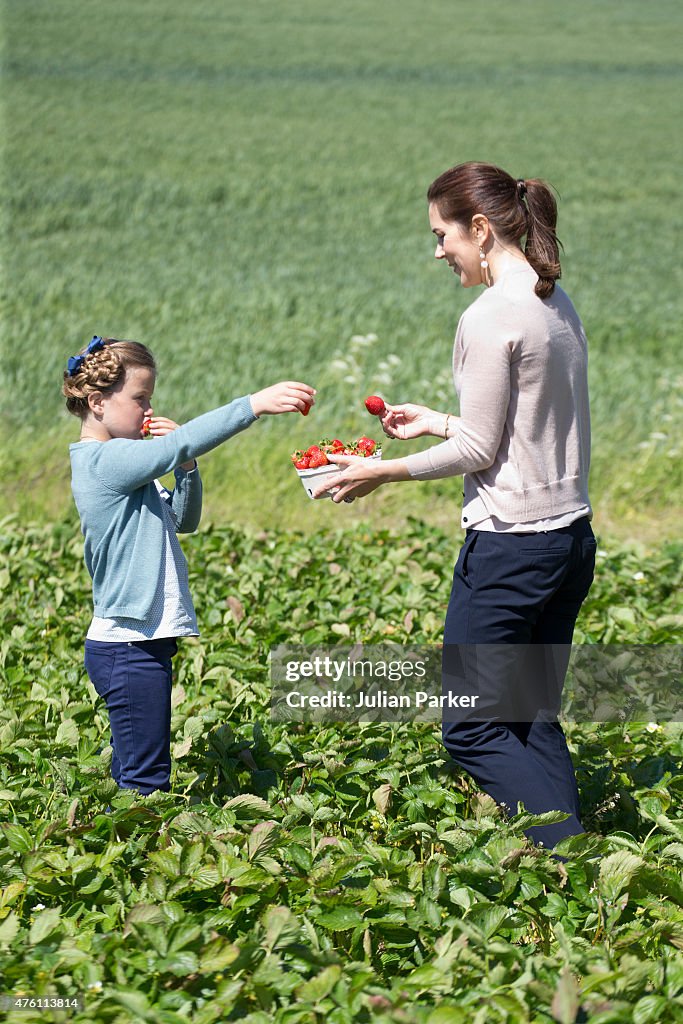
<point x="521" y="589"/>
<point x="134" y="680"/>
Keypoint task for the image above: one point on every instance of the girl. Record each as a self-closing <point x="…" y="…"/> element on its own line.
<point x="522" y="444"/>
<point x="142" y="603"/>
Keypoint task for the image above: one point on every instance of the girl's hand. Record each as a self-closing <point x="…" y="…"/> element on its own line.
<point x="158" y="426"/>
<point x="360" y="476"/>
<point x="287" y="396"/>
<point x="407" y="421"/>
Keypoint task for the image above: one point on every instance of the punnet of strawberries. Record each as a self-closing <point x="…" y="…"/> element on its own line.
<point x="316" y="456"/>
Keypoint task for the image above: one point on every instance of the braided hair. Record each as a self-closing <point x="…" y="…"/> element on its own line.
<point x="100" y="367"/>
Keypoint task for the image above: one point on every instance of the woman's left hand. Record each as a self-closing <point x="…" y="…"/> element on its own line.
<point x="359" y="476"/>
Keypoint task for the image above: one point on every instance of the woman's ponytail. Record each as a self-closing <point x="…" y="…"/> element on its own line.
<point x="517" y="209"/>
<point x="542" y="246"/>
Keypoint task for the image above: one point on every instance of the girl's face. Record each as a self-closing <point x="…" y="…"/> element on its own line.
<point x="122" y="411"/>
<point x="457" y="246"/>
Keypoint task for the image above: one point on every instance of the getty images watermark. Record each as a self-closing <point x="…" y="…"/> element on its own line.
<point x="503" y="682"/>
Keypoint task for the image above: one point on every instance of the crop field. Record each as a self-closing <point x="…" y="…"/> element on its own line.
<point x="302" y="873"/>
<point x="241" y="186"/>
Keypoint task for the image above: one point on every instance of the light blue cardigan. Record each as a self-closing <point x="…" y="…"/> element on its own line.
<point x="120" y="507"/>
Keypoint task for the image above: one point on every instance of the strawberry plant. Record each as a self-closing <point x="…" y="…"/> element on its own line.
<point x="341" y="872"/>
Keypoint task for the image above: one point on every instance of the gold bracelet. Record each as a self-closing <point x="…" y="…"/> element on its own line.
<point x="445" y="429"/>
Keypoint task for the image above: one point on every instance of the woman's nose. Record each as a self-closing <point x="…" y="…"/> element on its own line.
<point x="439" y="251"/>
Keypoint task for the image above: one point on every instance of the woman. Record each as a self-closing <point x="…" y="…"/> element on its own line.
<point x="522" y="444"/>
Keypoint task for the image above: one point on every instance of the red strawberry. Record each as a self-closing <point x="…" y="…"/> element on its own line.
<point x="147" y="427"/>
<point x="317" y="459"/>
<point x="302" y="462"/>
<point x="306" y="409"/>
<point x="331" y="447"/>
<point x="375" y="405"/>
<point x="366" y="446"/>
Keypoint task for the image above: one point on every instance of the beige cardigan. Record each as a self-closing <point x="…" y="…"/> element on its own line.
<point x="522" y="439"/>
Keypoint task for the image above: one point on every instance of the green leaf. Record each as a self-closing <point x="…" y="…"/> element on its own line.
<point x="193" y="727"/>
<point x="11" y="893"/>
<point x="616" y="871"/>
<point x="623" y="614"/>
<point x="249" y="802"/>
<point x="674" y="850"/>
<point x="143" y="913"/>
<point x="339" y="919"/>
<point x="182" y="934"/>
<point x="192" y="823"/>
<point x="650" y="1010"/>
<point x="18" y="838"/>
<point x="218" y="955"/>
<point x="448" y="1015"/>
<point x="68" y="733"/>
<point x="166" y="861"/>
<point x="565" y="1002"/>
<point x="263" y="837"/>
<point x="44" y="924"/>
<point x="488" y="918"/>
<point x="181" y="964"/>
<point x="526" y="820"/>
<point x="9" y="928"/>
<point x="191" y="856"/>
<point x="136" y="1003"/>
<point x="317" y="988"/>
<point x="282" y="927"/>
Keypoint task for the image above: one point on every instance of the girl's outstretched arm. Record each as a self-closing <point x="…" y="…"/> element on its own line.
<point x="123" y="465"/>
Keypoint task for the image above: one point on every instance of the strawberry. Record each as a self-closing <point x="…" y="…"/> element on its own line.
<point x="300" y="459"/>
<point x="305" y="411"/>
<point x="147" y="427"/>
<point x="332" y="447"/>
<point x="317" y="460"/>
<point x="375" y="405"/>
<point x="366" y="446"/>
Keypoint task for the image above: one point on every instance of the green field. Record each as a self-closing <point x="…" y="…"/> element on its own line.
<point x="330" y="873"/>
<point x="241" y="186"/>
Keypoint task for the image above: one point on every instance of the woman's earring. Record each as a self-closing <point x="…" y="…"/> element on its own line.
<point x="485" y="269"/>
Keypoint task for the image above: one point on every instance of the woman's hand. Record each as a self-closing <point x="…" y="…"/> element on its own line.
<point x="359" y="476"/>
<point x="287" y="396"/>
<point x="158" y="426"/>
<point x="407" y="421"/>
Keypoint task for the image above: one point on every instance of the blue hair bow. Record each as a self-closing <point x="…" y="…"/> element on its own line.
<point x="76" y="362"/>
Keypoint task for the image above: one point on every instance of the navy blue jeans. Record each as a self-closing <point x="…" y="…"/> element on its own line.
<point x="134" y="680"/>
<point x="523" y="589"/>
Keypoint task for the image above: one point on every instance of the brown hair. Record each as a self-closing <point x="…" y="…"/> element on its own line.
<point x="515" y="208"/>
<point x="101" y="370"/>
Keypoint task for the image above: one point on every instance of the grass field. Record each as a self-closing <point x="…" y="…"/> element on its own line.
<point x="241" y="186"/>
